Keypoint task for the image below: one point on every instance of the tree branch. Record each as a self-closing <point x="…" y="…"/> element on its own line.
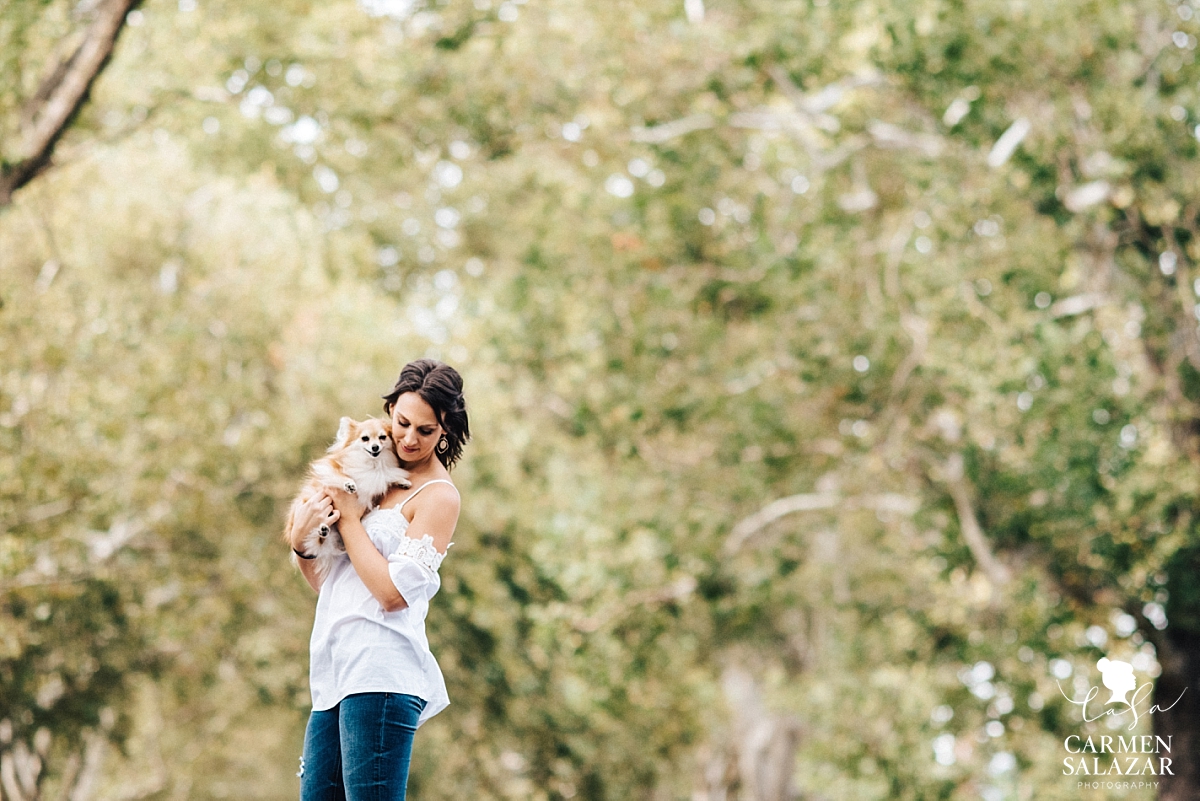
<point x="676" y="591"/>
<point x="82" y="788"/>
<point x="8" y="778"/>
<point x="812" y="502"/>
<point x="667" y="131"/>
<point x="968" y="523"/>
<point x="61" y="95"/>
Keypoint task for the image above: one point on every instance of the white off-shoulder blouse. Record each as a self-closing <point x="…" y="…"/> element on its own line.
<point x="356" y="646"/>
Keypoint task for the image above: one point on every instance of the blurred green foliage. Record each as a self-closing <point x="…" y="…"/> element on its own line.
<point x="692" y="258"/>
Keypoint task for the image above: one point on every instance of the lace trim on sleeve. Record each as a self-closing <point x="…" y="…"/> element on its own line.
<point x="421" y="551"/>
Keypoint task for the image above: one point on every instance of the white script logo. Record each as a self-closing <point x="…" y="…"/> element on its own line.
<point x="1144" y="755"/>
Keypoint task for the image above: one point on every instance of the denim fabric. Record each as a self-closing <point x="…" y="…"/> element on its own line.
<point x="360" y="749"/>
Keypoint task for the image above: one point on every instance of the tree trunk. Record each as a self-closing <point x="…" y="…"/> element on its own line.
<point x="757" y="762"/>
<point x="1179" y="685"/>
<point x="60" y="96"/>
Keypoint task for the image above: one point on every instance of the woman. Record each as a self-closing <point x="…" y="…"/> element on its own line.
<point x="372" y="676"/>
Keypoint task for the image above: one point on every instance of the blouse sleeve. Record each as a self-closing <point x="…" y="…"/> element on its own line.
<point x="413" y="567"/>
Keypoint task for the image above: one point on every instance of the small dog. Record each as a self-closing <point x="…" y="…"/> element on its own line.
<point x="362" y="461"/>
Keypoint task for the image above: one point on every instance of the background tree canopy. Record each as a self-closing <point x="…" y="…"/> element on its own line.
<point x="834" y="370"/>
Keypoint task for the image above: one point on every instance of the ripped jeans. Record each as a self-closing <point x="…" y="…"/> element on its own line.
<point x="360" y="749"/>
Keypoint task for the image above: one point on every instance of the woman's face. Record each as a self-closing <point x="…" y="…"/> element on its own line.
<point x="415" y="428"/>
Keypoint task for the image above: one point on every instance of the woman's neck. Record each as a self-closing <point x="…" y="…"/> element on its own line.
<point x="425" y="470"/>
<point x="417" y="478"/>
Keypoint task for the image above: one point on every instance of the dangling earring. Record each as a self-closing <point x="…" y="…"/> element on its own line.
<point x="443" y="445"/>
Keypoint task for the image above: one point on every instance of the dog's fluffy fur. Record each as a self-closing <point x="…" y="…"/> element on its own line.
<point x="362" y="460"/>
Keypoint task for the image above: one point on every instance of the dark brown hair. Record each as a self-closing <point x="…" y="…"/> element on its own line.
<point x="439" y="385"/>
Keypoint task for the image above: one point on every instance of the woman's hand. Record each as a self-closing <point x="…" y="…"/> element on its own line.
<point x="369" y="563"/>
<point x="315" y="510"/>
<point x="346" y="505"/>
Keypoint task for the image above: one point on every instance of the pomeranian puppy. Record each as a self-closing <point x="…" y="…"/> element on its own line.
<point x="362" y="461"/>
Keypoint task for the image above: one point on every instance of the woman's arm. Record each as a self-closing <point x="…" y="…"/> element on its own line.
<point x="436" y="516"/>
<point x="370" y="564"/>
<point x="308" y="569"/>
<point x="311" y="512"/>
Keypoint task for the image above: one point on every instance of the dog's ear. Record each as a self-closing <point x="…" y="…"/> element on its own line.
<point x="345" y="426"/>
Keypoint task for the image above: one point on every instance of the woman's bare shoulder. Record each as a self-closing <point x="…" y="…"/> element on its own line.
<point x="443" y="495"/>
<point x="436" y="514"/>
<point x="436" y="497"/>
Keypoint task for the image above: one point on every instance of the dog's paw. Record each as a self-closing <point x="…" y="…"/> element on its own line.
<point x="350" y="487"/>
<point x="404" y="483"/>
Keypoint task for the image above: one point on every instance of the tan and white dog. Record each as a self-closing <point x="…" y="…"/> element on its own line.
<point x="362" y="461"/>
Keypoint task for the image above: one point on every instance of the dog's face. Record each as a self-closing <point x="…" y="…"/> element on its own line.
<point x="370" y="437"/>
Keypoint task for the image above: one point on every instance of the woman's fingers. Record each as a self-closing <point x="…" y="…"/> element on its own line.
<point x="315" y="510"/>
<point x="320" y="503"/>
<point x="323" y="505"/>
<point x="336" y="496"/>
<point x="344" y="502"/>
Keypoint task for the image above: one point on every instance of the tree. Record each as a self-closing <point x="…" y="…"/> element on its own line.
<point x="77" y="59"/>
<point x="805" y="374"/>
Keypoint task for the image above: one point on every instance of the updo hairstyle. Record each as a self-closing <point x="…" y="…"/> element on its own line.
<point x="439" y="385"/>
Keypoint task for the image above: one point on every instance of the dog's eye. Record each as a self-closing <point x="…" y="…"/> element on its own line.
<point x="365" y="438"/>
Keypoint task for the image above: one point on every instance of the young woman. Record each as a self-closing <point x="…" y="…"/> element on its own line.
<point x="372" y="675"/>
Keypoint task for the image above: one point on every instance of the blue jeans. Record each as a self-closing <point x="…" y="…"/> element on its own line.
<point x="360" y="750"/>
